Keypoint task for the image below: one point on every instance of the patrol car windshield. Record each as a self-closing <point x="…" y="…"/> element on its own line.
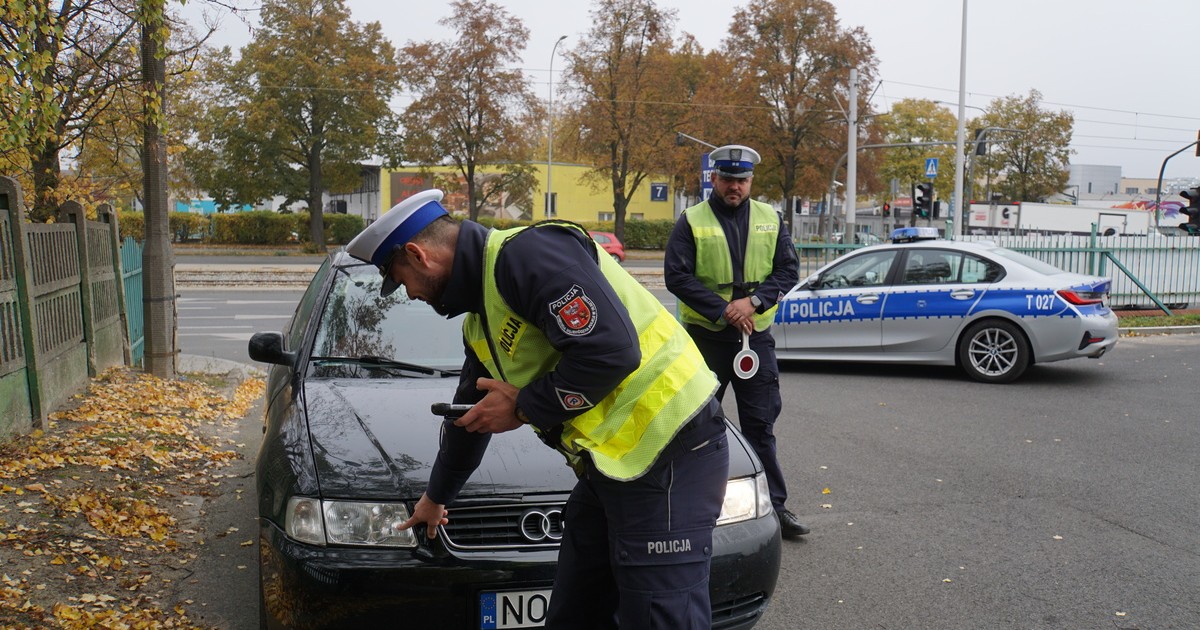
<point x="1028" y="261"/>
<point x="376" y="337"/>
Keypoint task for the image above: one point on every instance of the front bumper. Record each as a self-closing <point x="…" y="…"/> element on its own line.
<point x="304" y="586"/>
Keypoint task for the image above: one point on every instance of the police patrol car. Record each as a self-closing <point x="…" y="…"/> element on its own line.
<point x="923" y="300"/>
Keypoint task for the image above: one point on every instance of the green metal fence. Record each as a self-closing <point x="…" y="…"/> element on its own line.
<point x="131" y="279"/>
<point x="1147" y="271"/>
<point x="61" y="304"/>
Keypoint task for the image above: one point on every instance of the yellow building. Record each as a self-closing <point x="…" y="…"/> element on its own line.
<point x="577" y="200"/>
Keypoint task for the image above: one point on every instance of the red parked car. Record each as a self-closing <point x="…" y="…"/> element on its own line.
<point x="611" y="244"/>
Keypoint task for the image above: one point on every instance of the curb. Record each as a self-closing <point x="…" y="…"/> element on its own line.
<point x="214" y="365"/>
<point x="1158" y="330"/>
<point x="244" y="275"/>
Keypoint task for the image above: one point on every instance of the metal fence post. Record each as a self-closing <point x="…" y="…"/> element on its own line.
<point x="12" y="201"/>
<point x="105" y="214"/>
<point x="76" y="214"/>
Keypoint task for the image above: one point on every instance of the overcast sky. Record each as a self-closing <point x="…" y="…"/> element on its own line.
<point x="1126" y="70"/>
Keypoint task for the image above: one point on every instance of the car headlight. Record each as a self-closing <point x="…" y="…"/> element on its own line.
<point x="347" y="523"/>
<point x="745" y="498"/>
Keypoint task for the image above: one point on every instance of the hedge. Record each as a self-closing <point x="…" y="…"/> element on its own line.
<point x="184" y="226"/>
<point x="638" y="234"/>
<point x="264" y="227"/>
<point x="245" y="228"/>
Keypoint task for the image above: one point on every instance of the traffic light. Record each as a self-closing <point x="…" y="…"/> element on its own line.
<point x="1192" y="227"/>
<point x="923" y="204"/>
<point x="887" y="209"/>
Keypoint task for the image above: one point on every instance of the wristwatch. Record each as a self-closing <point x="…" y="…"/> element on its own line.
<point x="756" y="301"/>
<point x="521" y="415"/>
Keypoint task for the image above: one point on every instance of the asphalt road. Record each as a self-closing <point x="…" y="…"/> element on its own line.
<point x="219" y="322"/>
<point x="1065" y="500"/>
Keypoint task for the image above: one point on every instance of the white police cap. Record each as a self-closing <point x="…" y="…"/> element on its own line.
<point x="734" y="160"/>
<point x="395" y="228"/>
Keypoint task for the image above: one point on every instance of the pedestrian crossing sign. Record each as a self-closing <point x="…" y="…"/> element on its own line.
<point x="931" y="167"/>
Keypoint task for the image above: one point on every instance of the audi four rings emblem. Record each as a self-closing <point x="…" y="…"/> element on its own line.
<point x="540" y="524"/>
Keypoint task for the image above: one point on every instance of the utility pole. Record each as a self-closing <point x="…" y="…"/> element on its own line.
<point x="958" y="207"/>
<point x="550" y="209"/>
<point x="851" y="204"/>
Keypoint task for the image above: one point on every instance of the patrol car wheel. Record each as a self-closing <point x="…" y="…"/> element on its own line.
<point x="993" y="351"/>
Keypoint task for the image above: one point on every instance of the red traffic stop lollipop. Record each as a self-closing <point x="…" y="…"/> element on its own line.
<point x="745" y="364"/>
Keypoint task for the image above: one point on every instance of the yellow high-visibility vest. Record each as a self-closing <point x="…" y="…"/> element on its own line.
<point x="714" y="266"/>
<point x="625" y="431"/>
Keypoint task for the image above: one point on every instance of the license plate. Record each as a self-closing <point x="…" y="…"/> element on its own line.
<point x="513" y="609"/>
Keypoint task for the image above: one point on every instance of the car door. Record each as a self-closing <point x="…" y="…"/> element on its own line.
<point x="935" y="290"/>
<point x="840" y="309"/>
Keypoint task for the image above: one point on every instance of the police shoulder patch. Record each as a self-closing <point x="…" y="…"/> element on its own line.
<point x="572" y="400"/>
<point x="575" y="312"/>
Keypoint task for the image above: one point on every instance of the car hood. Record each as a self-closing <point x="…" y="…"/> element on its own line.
<point x="377" y="439"/>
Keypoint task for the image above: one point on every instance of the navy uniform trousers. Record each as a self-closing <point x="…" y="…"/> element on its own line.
<point x="636" y="554"/>
<point x="758" y="400"/>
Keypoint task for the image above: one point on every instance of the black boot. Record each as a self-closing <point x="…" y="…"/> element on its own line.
<point x="790" y="525"/>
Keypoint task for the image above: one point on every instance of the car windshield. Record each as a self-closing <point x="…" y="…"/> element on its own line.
<point x="1028" y="261"/>
<point x="361" y="334"/>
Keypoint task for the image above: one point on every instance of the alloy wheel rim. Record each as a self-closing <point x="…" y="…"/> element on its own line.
<point x="993" y="352"/>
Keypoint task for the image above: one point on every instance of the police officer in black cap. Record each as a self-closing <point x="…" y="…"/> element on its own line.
<point x="730" y="260"/>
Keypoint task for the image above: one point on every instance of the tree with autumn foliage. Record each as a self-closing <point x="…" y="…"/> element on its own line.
<point x="625" y="99"/>
<point x="1031" y="159"/>
<point x="788" y="67"/>
<point x="63" y="64"/>
<point x="472" y="108"/>
<point x="918" y="120"/>
<point x="298" y="112"/>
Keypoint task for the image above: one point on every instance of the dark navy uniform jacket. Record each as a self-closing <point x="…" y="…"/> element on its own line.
<point x="679" y="268"/>
<point x="534" y="269"/>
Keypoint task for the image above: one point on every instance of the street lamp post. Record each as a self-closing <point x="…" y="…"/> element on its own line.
<point x="958" y="211"/>
<point x="550" y="132"/>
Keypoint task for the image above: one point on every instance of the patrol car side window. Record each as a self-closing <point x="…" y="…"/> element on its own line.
<point x="976" y="270"/>
<point x="931" y="266"/>
<point x="866" y="270"/>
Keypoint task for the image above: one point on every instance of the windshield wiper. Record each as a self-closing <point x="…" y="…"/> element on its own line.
<point x="379" y="362"/>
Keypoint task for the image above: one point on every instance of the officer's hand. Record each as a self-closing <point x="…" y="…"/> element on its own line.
<point x="496" y="413"/>
<point x="427" y="512"/>
<point x="740" y="314"/>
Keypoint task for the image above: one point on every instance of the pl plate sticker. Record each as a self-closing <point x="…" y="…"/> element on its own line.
<point x="572" y="400"/>
<point x="575" y="312"/>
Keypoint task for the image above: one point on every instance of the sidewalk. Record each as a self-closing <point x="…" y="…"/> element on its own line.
<point x="219" y="275"/>
<point x="136" y="506"/>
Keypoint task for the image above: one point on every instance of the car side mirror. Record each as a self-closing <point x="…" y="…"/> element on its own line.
<point x="812" y="282"/>
<point x="267" y="347"/>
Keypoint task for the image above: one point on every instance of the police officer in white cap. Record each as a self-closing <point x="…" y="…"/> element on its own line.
<point x="385" y="239"/>
<point x="558" y="336"/>
<point x="730" y="260"/>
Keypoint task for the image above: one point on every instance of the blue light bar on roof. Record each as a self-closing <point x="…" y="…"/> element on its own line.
<point x="907" y="234"/>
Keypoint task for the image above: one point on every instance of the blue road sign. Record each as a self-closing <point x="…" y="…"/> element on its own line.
<point x="931" y="167"/>
<point x="658" y="192"/>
